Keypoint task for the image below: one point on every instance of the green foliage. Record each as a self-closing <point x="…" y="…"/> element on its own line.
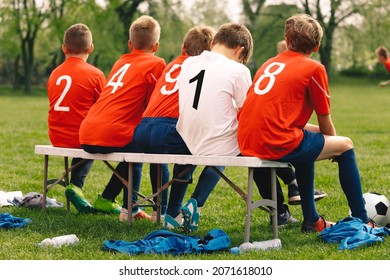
<point x="269" y="30"/>
<point x="359" y="111"/>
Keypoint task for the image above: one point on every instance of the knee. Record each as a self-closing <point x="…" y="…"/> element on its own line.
<point x="347" y="144"/>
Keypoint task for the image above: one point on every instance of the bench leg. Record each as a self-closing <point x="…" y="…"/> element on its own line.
<point x="274" y="209"/>
<point x="66" y="165"/>
<point x="45" y="167"/>
<point x="248" y="203"/>
<point x="130" y="194"/>
<point x="159" y="197"/>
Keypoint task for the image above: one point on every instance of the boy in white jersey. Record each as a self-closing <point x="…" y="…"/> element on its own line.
<point x="212" y="88"/>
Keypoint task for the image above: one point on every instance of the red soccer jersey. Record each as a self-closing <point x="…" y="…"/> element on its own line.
<point x="387" y="65"/>
<point x="72" y="88"/>
<point x="164" y="101"/>
<point x="112" y="120"/>
<point x="285" y="91"/>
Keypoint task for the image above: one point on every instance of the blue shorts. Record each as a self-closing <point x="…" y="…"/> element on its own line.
<point x="308" y="150"/>
<point x="159" y="136"/>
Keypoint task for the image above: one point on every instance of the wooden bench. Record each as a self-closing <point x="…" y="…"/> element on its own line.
<point x="159" y="159"/>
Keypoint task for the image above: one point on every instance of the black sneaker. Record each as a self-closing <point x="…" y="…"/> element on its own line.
<point x="295" y="199"/>
<point x="284" y="219"/>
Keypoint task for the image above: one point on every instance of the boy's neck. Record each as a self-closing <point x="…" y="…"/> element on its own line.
<point x="221" y="49"/>
<point x="83" y="56"/>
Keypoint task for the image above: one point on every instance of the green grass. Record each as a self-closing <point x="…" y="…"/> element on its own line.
<point x="360" y="110"/>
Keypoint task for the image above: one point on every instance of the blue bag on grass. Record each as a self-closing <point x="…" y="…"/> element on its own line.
<point x="166" y="242"/>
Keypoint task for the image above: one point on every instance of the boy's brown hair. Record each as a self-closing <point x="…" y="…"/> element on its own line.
<point x="233" y="35"/>
<point x="198" y="39"/>
<point x="77" y="39"/>
<point x="144" y="32"/>
<point x="382" y="51"/>
<point x="303" y="33"/>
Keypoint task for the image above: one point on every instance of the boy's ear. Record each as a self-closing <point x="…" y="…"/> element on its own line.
<point x="130" y="45"/>
<point x="238" y="51"/>
<point x="64" y="49"/>
<point x="91" y="48"/>
<point x="155" y="47"/>
<point x="316" y="48"/>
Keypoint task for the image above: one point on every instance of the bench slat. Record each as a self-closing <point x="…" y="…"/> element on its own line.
<point x="161" y="158"/>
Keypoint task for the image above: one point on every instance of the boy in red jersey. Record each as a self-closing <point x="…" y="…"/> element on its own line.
<point x="287" y="174"/>
<point x="73" y="87"/>
<point x="273" y="123"/>
<point x="110" y="123"/>
<point x="157" y="131"/>
<point x="383" y="58"/>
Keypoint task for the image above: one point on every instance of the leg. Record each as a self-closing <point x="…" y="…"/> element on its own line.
<point x="165" y="179"/>
<point x="350" y="182"/>
<point x="207" y="181"/>
<point x="262" y="178"/>
<point x="340" y="149"/>
<point x="305" y="178"/>
<point x="178" y="189"/>
<point x="80" y="172"/>
<point x="191" y="212"/>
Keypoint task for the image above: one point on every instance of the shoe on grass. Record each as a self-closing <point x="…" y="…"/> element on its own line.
<point x="76" y="197"/>
<point x="294" y="197"/>
<point x="137" y="215"/>
<point x="191" y="215"/>
<point x="173" y="223"/>
<point x="317" y="226"/>
<point x="285" y="218"/>
<point x="107" y="206"/>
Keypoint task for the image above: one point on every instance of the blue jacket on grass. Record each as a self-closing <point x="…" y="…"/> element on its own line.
<point x="166" y="242"/>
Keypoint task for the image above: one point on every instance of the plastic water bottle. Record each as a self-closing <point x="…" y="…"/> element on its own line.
<point x="273" y="244"/>
<point x="58" y="241"/>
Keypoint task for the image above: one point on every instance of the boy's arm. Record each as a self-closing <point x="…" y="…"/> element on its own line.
<point x="382" y="84"/>
<point x="325" y="125"/>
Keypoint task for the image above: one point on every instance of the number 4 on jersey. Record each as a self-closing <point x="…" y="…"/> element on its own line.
<point x="119" y="76"/>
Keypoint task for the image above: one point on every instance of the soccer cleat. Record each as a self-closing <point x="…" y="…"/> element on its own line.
<point x="173" y="223"/>
<point x="285" y="218"/>
<point x="317" y="226"/>
<point x="190" y="215"/>
<point x="295" y="199"/>
<point x="137" y="215"/>
<point x="106" y="205"/>
<point x="76" y="196"/>
<point x="372" y="224"/>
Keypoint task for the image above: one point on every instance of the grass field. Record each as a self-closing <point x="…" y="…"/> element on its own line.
<point x="360" y="110"/>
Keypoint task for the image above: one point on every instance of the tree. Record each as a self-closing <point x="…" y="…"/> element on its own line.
<point x="27" y="21"/>
<point x="252" y="9"/>
<point x="339" y="12"/>
<point x="126" y="11"/>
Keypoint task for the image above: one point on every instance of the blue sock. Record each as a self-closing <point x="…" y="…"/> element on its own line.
<point x="350" y="182"/>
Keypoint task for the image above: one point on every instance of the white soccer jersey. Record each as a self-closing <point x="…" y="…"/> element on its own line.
<point x="211" y="89"/>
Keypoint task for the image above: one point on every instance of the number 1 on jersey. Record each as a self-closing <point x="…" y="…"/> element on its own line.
<point x="198" y="78"/>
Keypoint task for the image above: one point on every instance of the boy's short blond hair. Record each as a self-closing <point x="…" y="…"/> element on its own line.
<point x="233" y="35"/>
<point x="382" y="51"/>
<point x="77" y="39"/>
<point x="303" y="33"/>
<point x="144" y="32"/>
<point x="198" y="39"/>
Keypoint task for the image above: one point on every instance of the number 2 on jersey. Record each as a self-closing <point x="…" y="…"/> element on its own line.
<point x="198" y="78"/>
<point x="57" y="106"/>
<point x="270" y="75"/>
